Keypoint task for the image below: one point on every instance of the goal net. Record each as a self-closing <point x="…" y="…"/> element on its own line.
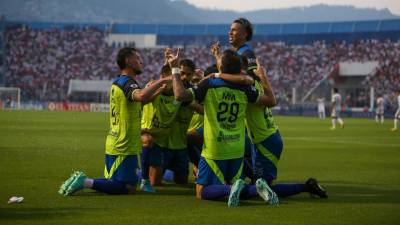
<point x="10" y="98"/>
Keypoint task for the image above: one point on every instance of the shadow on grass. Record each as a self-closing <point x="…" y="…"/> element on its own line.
<point x="339" y="193"/>
<point x="38" y="213"/>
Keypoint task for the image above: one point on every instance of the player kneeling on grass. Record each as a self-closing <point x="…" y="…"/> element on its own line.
<point x="221" y="163"/>
<point x="123" y="142"/>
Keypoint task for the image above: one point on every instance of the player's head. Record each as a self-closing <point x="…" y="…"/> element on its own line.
<point x="165" y="72"/>
<point x="230" y="62"/>
<point x="197" y="76"/>
<point x="211" y="69"/>
<point x="241" y="31"/>
<point x="187" y="69"/>
<point x="335" y="90"/>
<point x="129" y="58"/>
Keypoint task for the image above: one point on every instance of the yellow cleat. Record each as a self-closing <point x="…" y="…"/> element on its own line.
<point x="393" y="129"/>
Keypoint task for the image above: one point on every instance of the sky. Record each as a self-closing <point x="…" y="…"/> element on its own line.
<point x="246" y="5"/>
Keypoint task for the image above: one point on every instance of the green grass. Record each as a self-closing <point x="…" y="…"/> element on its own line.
<point x="359" y="166"/>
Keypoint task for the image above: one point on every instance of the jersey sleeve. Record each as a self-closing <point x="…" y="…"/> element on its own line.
<point x="199" y="91"/>
<point x="253" y="95"/>
<point x="129" y="87"/>
<point x="251" y="61"/>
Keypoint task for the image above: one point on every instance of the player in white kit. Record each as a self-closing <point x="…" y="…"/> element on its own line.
<point x="321" y="108"/>
<point x="397" y="114"/>
<point x="336" y="108"/>
<point x="379" y="110"/>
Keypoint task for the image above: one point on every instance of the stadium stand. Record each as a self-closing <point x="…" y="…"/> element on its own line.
<point x="41" y="58"/>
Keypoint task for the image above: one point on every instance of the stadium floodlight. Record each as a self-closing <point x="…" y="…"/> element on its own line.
<point x="10" y="98"/>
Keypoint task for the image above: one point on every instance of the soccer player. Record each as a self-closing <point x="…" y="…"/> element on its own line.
<point x="175" y="154"/>
<point x="379" y="113"/>
<point x="336" y="108"/>
<point x="261" y="126"/>
<point x="123" y="140"/>
<point x="321" y="108"/>
<point x="156" y="122"/>
<point x="195" y="133"/>
<point x="224" y="112"/>
<point x="397" y="114"/>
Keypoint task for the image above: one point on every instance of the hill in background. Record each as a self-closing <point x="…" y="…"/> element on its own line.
<point x="166" y="11"/>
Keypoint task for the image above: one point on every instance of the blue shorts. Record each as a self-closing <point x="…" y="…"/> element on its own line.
<point x="121" y="168"/>
<point x="265" y="157"/>
<point x="219" y="171"/>
<point x="176" y="160"/>
<point x="155" y="156"/>
<point x="200" y="131"/>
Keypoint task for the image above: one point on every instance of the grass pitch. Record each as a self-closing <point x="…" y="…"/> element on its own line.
<point x="359" y="166"/>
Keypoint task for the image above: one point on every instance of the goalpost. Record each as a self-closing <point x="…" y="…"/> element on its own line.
<point x="10" y="98"/>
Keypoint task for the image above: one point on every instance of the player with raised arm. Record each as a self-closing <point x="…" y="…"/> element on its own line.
<point x="123" y="140"/>
<point x="156" y="124"/>
<point x="175" y="154"/>
<point x="397" y="114"/>
<point x="221" y="163"/>
<point x="336" y="108"/>
<point x="261" y="126"/>
<point x="156" y="121"/>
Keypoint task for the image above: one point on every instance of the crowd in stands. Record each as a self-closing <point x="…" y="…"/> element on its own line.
<point x="42" y="62"/>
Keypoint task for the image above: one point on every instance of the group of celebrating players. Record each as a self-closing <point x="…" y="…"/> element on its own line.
<point x="222" y="123"/>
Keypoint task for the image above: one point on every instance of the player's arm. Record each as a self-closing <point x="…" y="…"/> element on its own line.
<point x="145" y="95"/>
<point x="155" y="94"/>
<point x="237" y="79"/>
<point x="270" y="99"/>
<point x="215" y="51"/>
<point x="180" y="92"/>
<point x="251" y="62"/>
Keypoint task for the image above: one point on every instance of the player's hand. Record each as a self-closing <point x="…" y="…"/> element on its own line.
<point x="215" y="50"/>
<point x="172" y="59"/>
<point x="163" y="87"/>
<point x="166" y="80"/>
<point x="260" y="71"/>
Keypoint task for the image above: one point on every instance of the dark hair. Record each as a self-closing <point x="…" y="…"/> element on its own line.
<point x="123" y="53"/>
<point x="166" y="69"/>
<point x="211" y="69"/>
<point x="231" y="62"/>
<point x="247" y="26"/>
<point x="188" y="63"/>
<point x="335" y="90"/>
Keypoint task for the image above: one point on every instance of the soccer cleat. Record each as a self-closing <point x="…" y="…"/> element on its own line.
<point x="342" y="125"/>
<point x="266" y="193"/>
<point x="393" y="129"/>
<point x="234" y="196"/>
<point x="73" y="184"/>
<point x="145" y="186"/>
<point x="63" y="187"/>
<point x="333" y="128"/>
<point x="315" y="189"/>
